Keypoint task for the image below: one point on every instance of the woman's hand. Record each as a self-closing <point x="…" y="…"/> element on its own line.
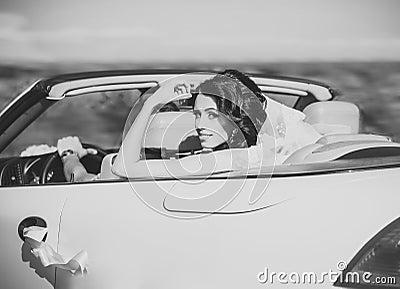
<point x="73" y="143"/>
<point x="182" y="89"/>
<point x="173" y="89"/>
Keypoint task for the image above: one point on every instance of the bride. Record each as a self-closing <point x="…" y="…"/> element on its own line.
<point x="237" y="127"/>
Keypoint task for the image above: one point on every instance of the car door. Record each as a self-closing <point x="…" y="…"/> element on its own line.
<point x="307" y="223"/>
<point x="19" y="268"/>
<point x="31" y="192"/>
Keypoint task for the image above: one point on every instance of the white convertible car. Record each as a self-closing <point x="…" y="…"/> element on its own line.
<point x="327" y="217"/>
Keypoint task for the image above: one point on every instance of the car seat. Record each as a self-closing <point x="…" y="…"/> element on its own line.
<point x="106" y="165"/>
<point x="333" y="117"/>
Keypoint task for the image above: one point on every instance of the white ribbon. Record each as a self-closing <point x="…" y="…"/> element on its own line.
<point x="48" y="256"/>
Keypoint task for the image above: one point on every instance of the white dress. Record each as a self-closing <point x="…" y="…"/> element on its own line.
<point x="284" y="131"/>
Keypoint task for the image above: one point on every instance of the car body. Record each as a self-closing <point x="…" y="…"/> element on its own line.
<point x="232" y="229"/>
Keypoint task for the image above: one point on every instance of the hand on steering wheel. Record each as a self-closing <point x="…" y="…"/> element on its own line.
<point x="53" y="166"/>
<point x="73" y="143"/>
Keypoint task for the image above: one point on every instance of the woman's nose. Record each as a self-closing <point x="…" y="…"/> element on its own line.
<point x="201" y="122"/>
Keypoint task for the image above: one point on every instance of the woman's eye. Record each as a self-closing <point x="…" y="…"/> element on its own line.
<point x="196" y="114"/>
<point x="212" y="115"/>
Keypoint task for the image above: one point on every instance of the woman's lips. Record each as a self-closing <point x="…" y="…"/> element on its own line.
<point x="204" y="136"/>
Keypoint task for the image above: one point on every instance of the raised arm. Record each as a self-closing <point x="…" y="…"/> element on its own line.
<point x="130" y="150"/>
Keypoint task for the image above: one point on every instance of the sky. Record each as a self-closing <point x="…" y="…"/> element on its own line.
<point x="199" y="31"/>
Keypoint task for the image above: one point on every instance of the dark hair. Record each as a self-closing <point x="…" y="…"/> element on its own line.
<point x="170" y="106"/>
<point x="246" y="81"/>
<point x="239" y="104"/>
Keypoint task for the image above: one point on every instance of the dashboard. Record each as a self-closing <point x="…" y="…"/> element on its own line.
<point x="32" y="170"/>
<point x="45" y="168"/>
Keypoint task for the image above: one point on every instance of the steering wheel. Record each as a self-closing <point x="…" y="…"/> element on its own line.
<point x="53" y="169"/>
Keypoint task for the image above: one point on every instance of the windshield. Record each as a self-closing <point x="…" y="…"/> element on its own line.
<point x="97" y="118"/>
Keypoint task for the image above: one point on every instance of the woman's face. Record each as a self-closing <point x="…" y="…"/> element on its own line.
<point x="211" y="125"/>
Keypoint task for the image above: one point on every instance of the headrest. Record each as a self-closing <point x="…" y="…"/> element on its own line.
<point x="333" y="117"/>
<point x="169" y="129"/>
